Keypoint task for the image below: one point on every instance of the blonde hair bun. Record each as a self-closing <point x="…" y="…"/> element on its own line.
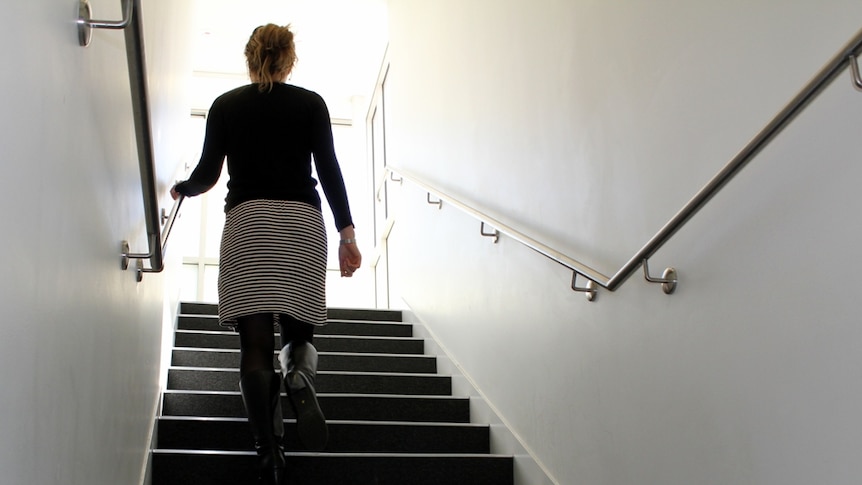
<point x="270" y="55"/>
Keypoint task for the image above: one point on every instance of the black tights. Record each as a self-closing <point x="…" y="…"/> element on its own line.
<point x="257" y="339"/>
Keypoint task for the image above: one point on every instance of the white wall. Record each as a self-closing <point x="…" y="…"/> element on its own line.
<point x="81" y="342"/>
<point x="589" y="124"/>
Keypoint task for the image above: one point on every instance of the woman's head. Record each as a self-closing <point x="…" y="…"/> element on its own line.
<point x="270" y="55"/>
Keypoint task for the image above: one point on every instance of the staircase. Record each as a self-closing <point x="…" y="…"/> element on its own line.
<point x="392" y="418"/>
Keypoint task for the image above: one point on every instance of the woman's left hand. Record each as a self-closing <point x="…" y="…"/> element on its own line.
<point x="349" y="259"/>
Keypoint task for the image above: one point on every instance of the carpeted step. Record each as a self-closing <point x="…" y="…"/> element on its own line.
<point x="195" y="379"/>
<point x="233" y="434"/>
<point x="323" y="343"/>
<point x="173" y="467"/>
<point x="333" y="327"/>
<point x="339" y="407"/>
<point x="187" y="308"/>
<point x="329" y="361"/>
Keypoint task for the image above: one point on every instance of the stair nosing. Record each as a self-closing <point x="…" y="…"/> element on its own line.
<point x="323" y="372"/>
<point x="321" y="353"/>
<point x="329" y="394"/>
<point x="316" y="336"/>
<point x="328" y="320"/>
<point x="165" y="451"/>
<point x="348" y="422"/>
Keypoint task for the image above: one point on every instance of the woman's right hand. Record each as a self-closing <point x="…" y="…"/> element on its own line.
<point x="174" y="194"/>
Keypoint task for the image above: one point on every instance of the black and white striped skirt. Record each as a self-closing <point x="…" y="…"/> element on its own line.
<point x="273" y="260"/>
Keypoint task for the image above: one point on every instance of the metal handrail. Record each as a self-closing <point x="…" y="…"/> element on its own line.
<point x="847" y="56"/>
<point x="530" y="242"/>
<point x="134" y="38"/>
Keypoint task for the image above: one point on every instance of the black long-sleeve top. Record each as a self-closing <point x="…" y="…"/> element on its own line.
<point x="269" y="139"/>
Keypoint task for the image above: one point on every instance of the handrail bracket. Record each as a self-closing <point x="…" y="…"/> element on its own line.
<point x="86" y="24"/>
<point x="854" y="70"/>
<point x="126" y="257"/>
<point x="438" y="202"/>
<point x="668" y="278"/>
<point x="85" y="32"/>
<point x="589" y="291"/>
<point x="495" y="234"/>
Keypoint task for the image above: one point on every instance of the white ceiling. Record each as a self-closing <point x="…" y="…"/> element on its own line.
<point x="339" y="43"/>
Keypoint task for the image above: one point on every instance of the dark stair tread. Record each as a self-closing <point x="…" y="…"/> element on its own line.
<point x="370" y="407"/>
<point x="182" y="467"/>
<point x="344" y="436"/>
<point x="323" y="343"/>
<point x="329" y="361"/>
<point x="198" y="308"/>
<point x="197" y="379"/>
<point x="333" y="326"/>
<point x="364" y="314"/>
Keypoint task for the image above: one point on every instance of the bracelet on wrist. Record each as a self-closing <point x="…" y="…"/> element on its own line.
<point x="348" y="241"/>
